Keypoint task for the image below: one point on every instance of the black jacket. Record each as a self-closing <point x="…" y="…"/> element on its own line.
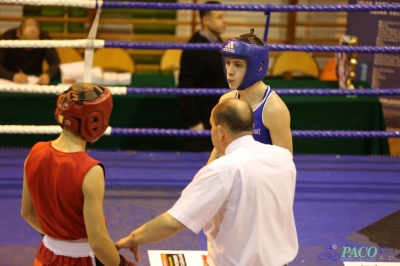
<point x="200" y="69"/>
<point x="13" y="60"/>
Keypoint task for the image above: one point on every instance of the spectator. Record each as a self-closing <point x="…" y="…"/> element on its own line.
<point x="16" y="63"/>
<point x="202" y="69"/>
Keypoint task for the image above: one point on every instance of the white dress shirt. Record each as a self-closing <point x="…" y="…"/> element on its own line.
<point x="244" y="203"/>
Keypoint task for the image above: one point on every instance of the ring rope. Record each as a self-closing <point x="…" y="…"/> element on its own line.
<point x="271" y="47"/>
<point x="282" y="92"/>
<point x="49" y="89"/>
<point x="120" y="90"/>
<point x="88" y="43"/>
<point x="79" y="43"/>
<point x="183" y="6"/>
<point x="295" y="133"/>
<point x="160" y="132"/>
<point x="65" y="3"/>
<point x="259" y="8"/>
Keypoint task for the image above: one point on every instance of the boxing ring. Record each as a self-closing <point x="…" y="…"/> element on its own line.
<point x="341" y="201"/>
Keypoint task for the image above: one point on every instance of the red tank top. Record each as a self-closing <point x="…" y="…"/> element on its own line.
<point x="54" y="181"/>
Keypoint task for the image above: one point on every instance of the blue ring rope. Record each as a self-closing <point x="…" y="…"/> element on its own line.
<point x="260" y="8"/>
<point x="272" y="47"/>
<point x="281" y="92"/>
<point x="159" y="132"/>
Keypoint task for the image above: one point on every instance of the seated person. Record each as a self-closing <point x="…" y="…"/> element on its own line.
<point x="16" y="62"/>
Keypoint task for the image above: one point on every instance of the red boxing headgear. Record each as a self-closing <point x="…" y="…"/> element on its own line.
<point x="86" y="111"/>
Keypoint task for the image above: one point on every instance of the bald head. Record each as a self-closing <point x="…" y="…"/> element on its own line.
<point x="29" y="30"/>
<point x="235" y="115"/>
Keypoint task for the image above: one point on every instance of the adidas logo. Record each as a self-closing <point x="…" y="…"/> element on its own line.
<point x="229" y="48"/>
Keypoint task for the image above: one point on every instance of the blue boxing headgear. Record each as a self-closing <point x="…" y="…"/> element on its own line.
<point x="254" y="51"/>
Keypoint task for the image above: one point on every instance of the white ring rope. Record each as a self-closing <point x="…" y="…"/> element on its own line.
<point x="70" y="3"/>
<point x="80" y="43"/>
<point x="19" y="129"/>
<point x="31" y="129"/>
<point x="50" y="89"/>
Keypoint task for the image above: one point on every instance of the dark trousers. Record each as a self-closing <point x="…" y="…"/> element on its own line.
<point x="198" y="144"/>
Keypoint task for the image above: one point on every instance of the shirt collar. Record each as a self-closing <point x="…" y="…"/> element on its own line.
<point x="237" y="143"/>
<point x="209" y="37"/>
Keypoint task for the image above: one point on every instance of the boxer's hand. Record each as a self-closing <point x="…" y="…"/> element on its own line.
<point x="125" y="262"/>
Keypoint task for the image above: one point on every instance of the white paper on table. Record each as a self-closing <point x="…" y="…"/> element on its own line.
<point x="6" y="81"/>
<point x="109" y="78"/>
<point x="97" y="76"/>
<point x="70" y="72"/>
<point x="73" y="72"/>
<point x="31" y="80"/>
<point x="177" y="257"/>
<point x="124" y="78"/>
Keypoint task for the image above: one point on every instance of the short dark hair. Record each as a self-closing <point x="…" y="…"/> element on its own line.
<point x="204" y="13"/>
<point x="251" y="38"/>
<point x="235" y="114"/>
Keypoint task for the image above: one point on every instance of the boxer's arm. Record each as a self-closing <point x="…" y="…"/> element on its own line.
<point x="27" y="209"/>
<point x="277" y="119"/>
<point x="99" y="240"/>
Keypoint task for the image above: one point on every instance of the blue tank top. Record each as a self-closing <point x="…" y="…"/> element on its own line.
<point x="260" y="132"/>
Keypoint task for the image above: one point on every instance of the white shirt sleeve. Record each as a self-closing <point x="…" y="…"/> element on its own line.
<point x="200" y="200"/>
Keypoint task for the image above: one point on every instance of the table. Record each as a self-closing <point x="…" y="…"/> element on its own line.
<point x="152" y="111"/>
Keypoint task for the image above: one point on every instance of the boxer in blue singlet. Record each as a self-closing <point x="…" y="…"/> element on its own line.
<point x="260" y="131"/>
<point x="245" y="62"/>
